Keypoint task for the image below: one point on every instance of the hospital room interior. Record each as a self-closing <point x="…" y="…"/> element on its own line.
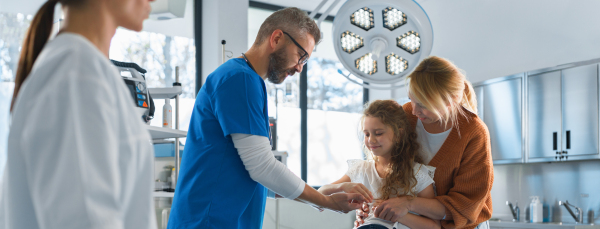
<point x="519" y="144"/>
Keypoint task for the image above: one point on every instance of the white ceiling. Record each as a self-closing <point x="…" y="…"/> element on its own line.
<point x="308" y="5"/>
<point x="494" y="38"/>
<point x="486" y="38"/>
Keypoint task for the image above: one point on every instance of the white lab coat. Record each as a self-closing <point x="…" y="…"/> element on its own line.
<point x="79" y="155"/>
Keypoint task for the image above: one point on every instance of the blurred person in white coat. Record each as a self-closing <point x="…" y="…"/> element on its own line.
<point x="79" y="155"/>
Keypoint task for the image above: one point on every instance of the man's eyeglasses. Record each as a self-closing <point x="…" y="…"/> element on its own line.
<point x="304" y="57"/>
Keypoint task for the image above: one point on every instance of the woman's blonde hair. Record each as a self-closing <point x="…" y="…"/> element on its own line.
<point x="443" y="89"/>
<point x="401" y="174"/>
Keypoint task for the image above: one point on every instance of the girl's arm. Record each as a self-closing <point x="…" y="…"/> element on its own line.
<point x="344" y="185"/>
<point x="334" y="187"/>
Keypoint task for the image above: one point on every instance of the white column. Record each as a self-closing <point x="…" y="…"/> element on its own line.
<point x="222" y="20"/>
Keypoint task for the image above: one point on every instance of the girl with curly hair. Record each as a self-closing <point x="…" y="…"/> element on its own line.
<point x="393" y="167"/>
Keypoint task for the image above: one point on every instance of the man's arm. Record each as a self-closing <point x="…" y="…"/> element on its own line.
<point x="255" y="152"/>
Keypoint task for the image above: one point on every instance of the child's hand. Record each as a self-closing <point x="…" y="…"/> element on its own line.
<point x="361" y="214"/>
<point x="359" y="188"/>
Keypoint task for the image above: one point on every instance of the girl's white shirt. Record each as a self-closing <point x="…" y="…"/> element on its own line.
<point x="79" y="155"/>
<point x="364" y="172"/>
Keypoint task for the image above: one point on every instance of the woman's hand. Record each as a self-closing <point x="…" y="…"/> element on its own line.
<point x="393" y="209"/>
<point x="359" y="188"/>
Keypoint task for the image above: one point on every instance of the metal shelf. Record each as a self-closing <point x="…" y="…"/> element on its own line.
<point x="163" y="133"/>
<point x="163" y="194"/>
<point x="165" y="93"/>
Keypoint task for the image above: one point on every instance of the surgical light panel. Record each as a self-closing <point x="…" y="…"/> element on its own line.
<point x="363" y="18"/>
<point x="351" y="42"/>
<point x="410" y="41"/>
<point x="395" y="64"/>
<point x="366" y="64"/>
<point x="393" y="18"/>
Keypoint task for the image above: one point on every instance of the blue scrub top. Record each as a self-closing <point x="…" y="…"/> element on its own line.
<point x="214" y="188"/>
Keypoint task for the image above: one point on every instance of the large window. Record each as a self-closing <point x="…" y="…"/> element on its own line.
<point x="13" y="27"/>
<point x="159" y="54"/>
<point x="334" y="111"/>
<point x="334" y="106"/>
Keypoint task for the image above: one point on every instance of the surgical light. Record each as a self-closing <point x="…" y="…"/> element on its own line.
<point x="394" y="35"/>
<point x="410" y="41"/>
<point x="363" y="18"/>
<point x="395" y="64"/>
<point x="393" y="18"/>
<point x="351" y="42"/>
<point x="366" y="64"/>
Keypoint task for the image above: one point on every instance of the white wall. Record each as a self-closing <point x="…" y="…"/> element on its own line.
<point x="222" y="20"/>
<point x="490" y="39"/>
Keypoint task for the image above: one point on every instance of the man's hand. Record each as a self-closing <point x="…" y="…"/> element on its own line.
<point x="359" y="188"/>
<point x="393" y="209"/>
<point x="345" y="202"/>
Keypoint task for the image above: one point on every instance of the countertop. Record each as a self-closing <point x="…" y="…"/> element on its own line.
<point x="510" y="224"/>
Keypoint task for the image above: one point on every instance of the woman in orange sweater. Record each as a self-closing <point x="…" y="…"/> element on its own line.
<point x="455" y="141"/>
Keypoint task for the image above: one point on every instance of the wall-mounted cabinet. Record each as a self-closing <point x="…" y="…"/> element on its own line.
<point x="545" y="115"/>
<point x="500" y="107"/>
<point x="563" y="114"/>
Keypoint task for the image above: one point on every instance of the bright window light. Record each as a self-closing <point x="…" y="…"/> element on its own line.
<point x="351" y="42"/>
<point x="395" y="64"/>
<point x="363" y="18"/>
<point x="410" y="41"/>
<point x="393" y="18"/>
<point x="366" y="64"/>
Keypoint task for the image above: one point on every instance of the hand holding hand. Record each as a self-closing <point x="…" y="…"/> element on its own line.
<point x="359" y="188"/>
<point x="361" y="214"/>
<point x="393" y="209"/>
<point x="346" y="202"/>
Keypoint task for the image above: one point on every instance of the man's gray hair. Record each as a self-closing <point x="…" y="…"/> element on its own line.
<point x="291" y="20"/>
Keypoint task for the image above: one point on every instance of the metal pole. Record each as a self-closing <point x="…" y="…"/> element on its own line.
<point x="304" y="123"/>
<point x="223" y="42"/>
<point x="198" y="43"/>
<point x="316" y="11"/>
<point x="276" y="212"/>
<point x="177" y="128"/>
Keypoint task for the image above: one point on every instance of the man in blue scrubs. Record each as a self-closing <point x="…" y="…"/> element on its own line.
<point x="227" y="160"/>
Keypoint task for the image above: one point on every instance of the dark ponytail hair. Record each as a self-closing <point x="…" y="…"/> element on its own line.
<point x="36" y="38"/>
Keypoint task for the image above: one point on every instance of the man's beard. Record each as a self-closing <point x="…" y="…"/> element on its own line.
<point x="276" y="73"/>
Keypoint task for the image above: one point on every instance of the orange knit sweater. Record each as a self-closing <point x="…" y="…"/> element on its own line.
<point x="464" y="171"/>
